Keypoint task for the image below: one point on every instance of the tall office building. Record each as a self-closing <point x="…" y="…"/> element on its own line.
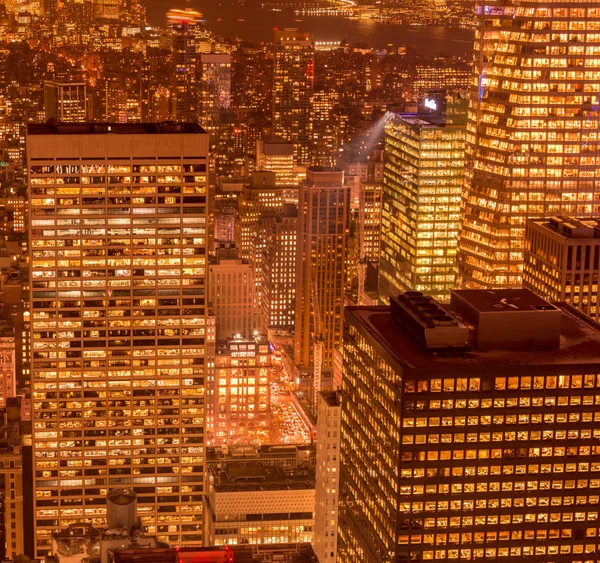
<point x="422" y="185"/>
<point x="562" y="261"/>
<point x="328" y="476"/>
<point x="65" y="101"/>
<point x="323" y="226"/>
<point x="293" y="85"/>
<point x="215" y="88"/>
<point x="232" y="295"/>
<point x="107" y="10"/>
<point x="118" y="323"/>
<point x="183" y="46"/>
<point x="277" y="155"/>
<point x="532" y="132"/>
<point x="468" y="432"/>
<point x="277" y="288"/>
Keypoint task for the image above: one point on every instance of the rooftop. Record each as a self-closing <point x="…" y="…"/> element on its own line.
<point x="332" y="398"/>
<point x="570" y="227"/>
<point x="502" y="300"/>
<point x="579" y="345"/>
<point x="53" y="127"/>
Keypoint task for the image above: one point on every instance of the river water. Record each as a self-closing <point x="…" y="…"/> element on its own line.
<point x="254" y="24"/>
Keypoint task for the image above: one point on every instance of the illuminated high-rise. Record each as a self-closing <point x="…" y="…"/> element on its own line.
<point x="532" y="131"/>
<point x="215" y="88"/>
<point x="293" y="85"/>
<point x="322" y="252"/>
<point x="65" y="101"/>
<point x="118" y="323"/>
<point x="469" y="433"/>
<point x="183" y="47"/>
<point x="277" y="155"/>
<point x="422" y="184"/>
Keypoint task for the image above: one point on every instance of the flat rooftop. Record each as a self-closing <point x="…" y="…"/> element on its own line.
<point x="166" y="127"/>
<point x="579" y="345"/>
<point x="332" y="398"/>
<point x="253" y="476"/>
<point x="502" y="300"/>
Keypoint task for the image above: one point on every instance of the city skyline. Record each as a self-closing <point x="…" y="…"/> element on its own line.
<point x="301" y="280"/>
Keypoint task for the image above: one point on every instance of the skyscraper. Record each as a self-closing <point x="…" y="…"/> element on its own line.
<point x="328" y="475"/>
<point x="65" y="101"/>
<point x="277" y="155"/>
<point x="183" y="47"/>
<point x="215" y="88"/>
<point x="293" y="85"/>
<point x="277" y="287"/>
<point x="469" y="433"/>
<point x="532" y="131"/>
<point x="323" y="226"/>
<point x="118" y="323"/>
<point x="422" y="184"/>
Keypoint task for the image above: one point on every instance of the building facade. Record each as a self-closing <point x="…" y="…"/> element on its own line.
<point x="11" y="480"/>
<point x="531" y="134"/>
<point x="277" y="155"/>
<point x="240" y="399"/>
<point x="562" y="261"/>
<point x="118" y="323"/>
<point x="293" y="86"/>
<point x="264" y="496"/>
<point x="468" y="432"/>
<point x="232" y="295"/>
<point x="65" y="101"/>
<point x="215" y="88"/>
<point x="8" y="361"/>
<point x="327" y="479"/>
<point x="323" y="227"/>
<point x="422" y="185"/>
<point x="278" y="281"/>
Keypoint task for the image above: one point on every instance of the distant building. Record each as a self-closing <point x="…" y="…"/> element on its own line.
<point x="232" y="295"/>
<point x="65" y="101"/>
<point x="215" y="88"/>
<point x="278" y="282"/>
<point x="323" y="226"/>
<point x="327" y="476"/>
<point x="422" y="187"/>
<point x="293" y="85"/>
<point x="468" y="431"/>
<point x="562" y="261"/>
<point x="239" y="399"/>
<point x="277" y="155"/>
<point x="8" y="363"/>
<point x="264" y="499"/>
<point x="11" y="480"/>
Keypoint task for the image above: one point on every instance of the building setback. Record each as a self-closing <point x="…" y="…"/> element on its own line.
<point x="562" y="261"/>
<point x="118" y="323"/>
<point x="470" y="432"/>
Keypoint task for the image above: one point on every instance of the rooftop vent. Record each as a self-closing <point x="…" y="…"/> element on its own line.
<point x="432" y="325"/>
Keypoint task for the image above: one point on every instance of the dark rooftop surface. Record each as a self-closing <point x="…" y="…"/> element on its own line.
<point x="253" y="476"/>
<point x="579" y="344"/>
<point x="502" y="300"/>
<point x="331" y="398"/>
<point x="165" y="127"/>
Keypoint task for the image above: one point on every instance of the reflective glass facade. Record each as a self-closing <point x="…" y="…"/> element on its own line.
<point x="533" y="130"/>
